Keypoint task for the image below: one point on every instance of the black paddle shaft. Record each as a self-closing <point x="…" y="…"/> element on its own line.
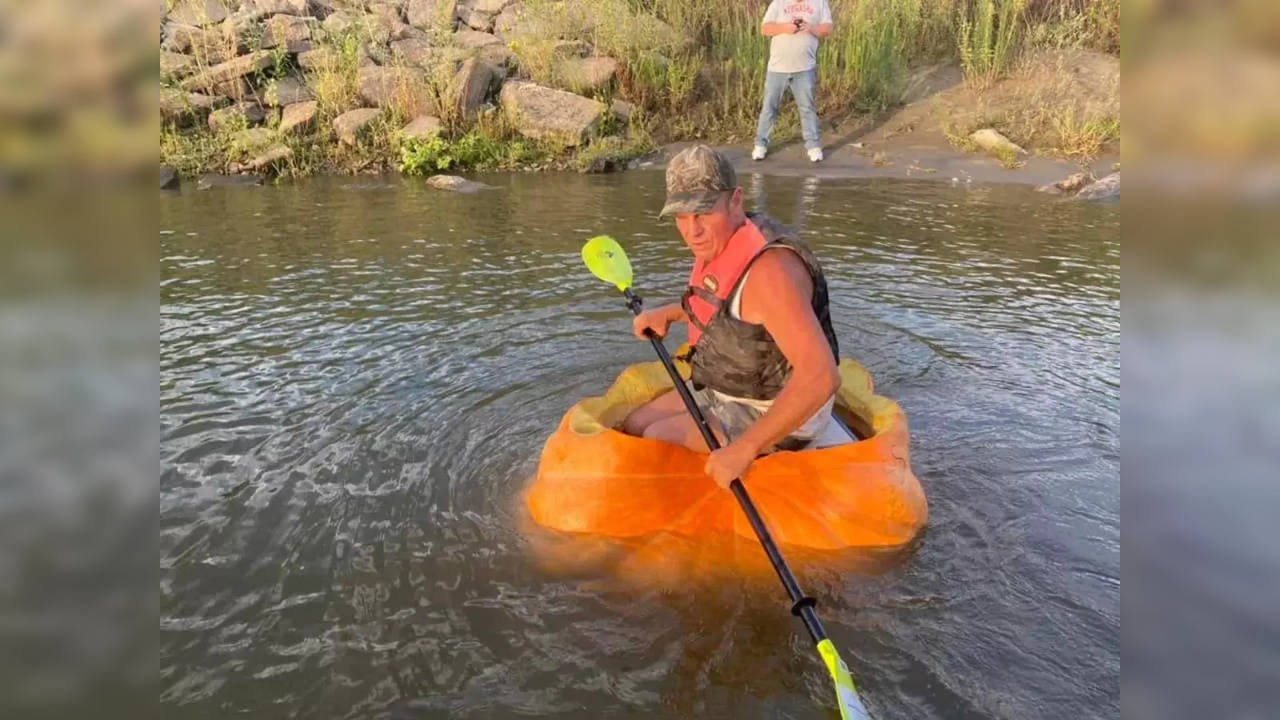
<point x="802" y="605"/>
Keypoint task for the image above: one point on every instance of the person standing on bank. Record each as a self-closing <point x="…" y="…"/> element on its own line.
<point x="794" y="28"/>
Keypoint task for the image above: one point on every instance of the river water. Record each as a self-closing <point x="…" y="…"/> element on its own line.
<point x="357" y="376"/>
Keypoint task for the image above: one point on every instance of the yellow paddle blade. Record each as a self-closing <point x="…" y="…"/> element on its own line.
<point x="606" y="259"/>
<point x="851" y="707"/>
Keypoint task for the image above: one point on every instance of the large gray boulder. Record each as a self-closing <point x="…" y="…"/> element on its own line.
<point x="507" y="20"/>
<point x="545" y="113"/>
<point x="237" y="89"/>
<point x="352" y="124"/>
<point x="199" y="12"/>
<point x="498" y="57"/>
<point x="229" y="70"/>
<point x="403" y="88"/>
<point x="239" y="115"/>
<point x="338" y="22"/>
<point x="385" y="24"/>
<point x="474" y="39"/>
<point x="183" y="108"/>
<point x="414" y="51"/>
<point x="206" y="46"/>
<point x="299" y="117"/>
<point x="470" y="87"/>
<point x="431" y="14"/>
<point x="294" y="33"/>
<point x="586" y="75"/>
<point x="423" y="127"/>
<point x="481" y="21"/>
<point x="285" y="91"/>
<point x="174" y="64"/>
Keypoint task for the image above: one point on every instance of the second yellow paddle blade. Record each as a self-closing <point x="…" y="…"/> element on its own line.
<point x="606" y="259"/>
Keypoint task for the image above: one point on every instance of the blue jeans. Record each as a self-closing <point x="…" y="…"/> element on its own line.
<point x="803" y="85"/>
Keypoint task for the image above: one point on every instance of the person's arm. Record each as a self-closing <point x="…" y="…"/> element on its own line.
<point x="787" y="313"/>
<point x="658" y="319"/>
<point x="822" y="27"/>
<point x="775" y="22"/>
<point x="820" y="31"/>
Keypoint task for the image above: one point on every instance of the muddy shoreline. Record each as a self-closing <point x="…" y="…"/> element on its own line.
<point x="902" y="161"/>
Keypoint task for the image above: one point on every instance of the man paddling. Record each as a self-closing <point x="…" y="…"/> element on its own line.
<point x="764" y="352"/>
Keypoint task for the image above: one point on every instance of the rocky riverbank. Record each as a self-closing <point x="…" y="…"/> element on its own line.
<point x="297" y="87"/>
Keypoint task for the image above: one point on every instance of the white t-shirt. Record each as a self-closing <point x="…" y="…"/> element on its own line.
<point x="795" y="52"/>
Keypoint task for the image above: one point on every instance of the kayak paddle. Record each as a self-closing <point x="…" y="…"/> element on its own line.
<point x="606" y="259"/>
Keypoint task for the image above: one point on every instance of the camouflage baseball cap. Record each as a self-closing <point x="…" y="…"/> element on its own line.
<point x="696" y="178"/>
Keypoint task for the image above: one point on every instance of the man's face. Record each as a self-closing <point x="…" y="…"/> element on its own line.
<point x="708" y="233"/>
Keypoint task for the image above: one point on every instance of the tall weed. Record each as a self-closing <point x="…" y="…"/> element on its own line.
<point x="988" y="38"/>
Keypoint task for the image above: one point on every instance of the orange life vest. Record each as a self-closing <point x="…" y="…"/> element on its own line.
<point x="711" y="282"/>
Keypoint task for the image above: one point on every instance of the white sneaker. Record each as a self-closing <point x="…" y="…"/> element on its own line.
<point x="815" y="155"/>
<point x="758" y="152"/>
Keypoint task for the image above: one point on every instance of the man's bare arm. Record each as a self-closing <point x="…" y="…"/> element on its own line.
<point x="820" y="31"/>
<point x="779" y="296"/>
<point x="782" y="28"/>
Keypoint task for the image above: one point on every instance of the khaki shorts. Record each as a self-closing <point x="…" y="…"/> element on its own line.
<point x="735" y="415"/>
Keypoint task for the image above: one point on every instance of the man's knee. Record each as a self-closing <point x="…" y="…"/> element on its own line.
<point x="668" y="429"/>
<point x="654" y="411"/>
<point x="634" y="423"/>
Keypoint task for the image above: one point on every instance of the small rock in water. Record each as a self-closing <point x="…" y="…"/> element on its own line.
<point x="455" y="183"/>
<point x="168" y="178"/>
<point x="1075" y="182"/>
<point x="212" y="180"/>
<point x="1069" y="185"/>
<point x="1108" y="188"/>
